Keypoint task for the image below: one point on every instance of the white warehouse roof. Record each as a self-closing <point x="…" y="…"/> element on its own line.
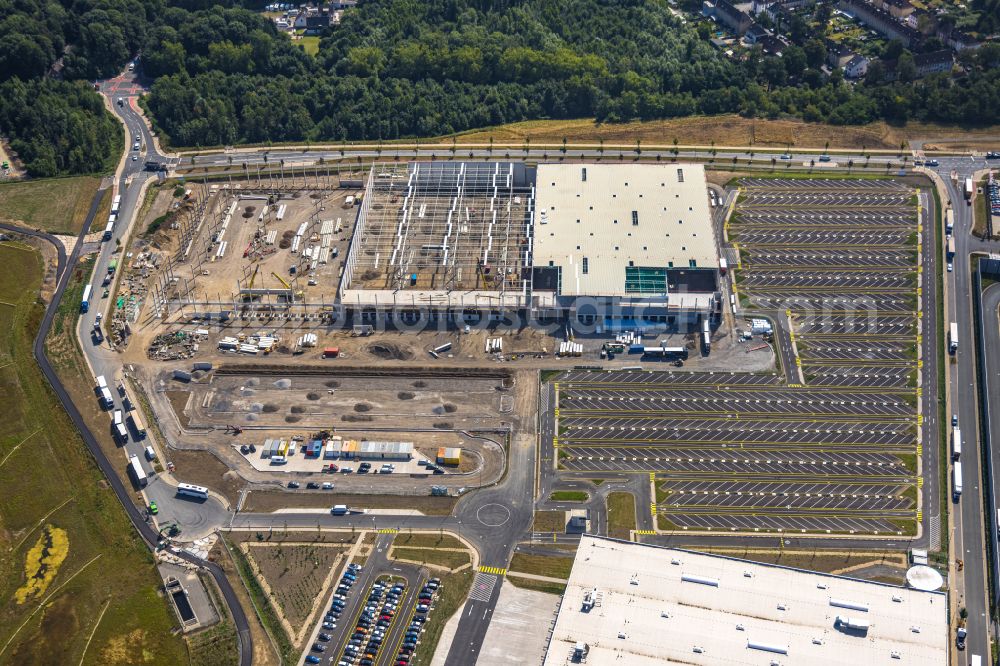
<point x="607" y="215"/>
<point x="662" y="605"/>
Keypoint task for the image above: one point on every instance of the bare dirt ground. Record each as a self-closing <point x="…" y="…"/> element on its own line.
<point x="431" y="412"/>
<point x="525" y="348"/>
<point x="211" y="277"/>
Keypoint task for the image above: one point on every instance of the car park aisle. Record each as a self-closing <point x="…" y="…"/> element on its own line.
<point x="355" y="601"/>
<point x="394" y="637"/>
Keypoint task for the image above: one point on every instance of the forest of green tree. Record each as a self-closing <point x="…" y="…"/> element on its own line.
<point x="222" y="74"/>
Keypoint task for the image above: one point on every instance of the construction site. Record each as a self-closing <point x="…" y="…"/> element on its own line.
<point x="245" y="254"/>
<point x="262" y="421"/>
<point x="441" y="236"/>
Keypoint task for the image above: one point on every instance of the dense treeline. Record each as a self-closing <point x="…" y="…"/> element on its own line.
<point x="398" y="68"/>
<point x="222" y="73"/>
<point x="58" y="127"/>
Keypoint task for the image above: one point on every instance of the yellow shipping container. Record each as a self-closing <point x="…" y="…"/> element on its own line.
<point x="449" y="455"/>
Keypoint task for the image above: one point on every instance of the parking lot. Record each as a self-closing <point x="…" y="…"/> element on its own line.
<point x="834" y="263"/>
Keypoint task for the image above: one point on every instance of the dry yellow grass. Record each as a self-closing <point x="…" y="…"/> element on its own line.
<point x="59" y="205"/>
<point x="727" y="130"/>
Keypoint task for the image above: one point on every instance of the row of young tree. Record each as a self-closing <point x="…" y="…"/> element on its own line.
<point x="222" y="73"/>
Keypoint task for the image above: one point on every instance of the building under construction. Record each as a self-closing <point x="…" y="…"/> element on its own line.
<point x="468" y="241"/>
<point x="441" y="237"/>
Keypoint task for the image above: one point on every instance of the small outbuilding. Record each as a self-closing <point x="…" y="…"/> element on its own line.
<point x="449" y="455"/>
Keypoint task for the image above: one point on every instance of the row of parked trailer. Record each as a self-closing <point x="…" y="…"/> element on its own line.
<point x="118" y="417"/>
<point x="109" y="229"/>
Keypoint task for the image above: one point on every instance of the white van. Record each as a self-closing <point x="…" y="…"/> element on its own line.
<point x="118" y="417"/>
<point x="339" y="510"/>
<point x="150" y="453"/>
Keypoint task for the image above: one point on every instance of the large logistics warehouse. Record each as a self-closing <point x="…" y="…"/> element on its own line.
<point x="605" y="245"/>
<point x="630" y="603"/>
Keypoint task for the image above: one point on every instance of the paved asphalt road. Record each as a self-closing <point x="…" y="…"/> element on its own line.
<point x="495" y="518"/>
<point x="968" y="539"/>
<point x="146" y="531"/>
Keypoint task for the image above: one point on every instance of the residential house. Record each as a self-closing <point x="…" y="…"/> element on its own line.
<point x="772" y="45"/>
<point x="961" y="41"/>
<point x="856" y="67"/>
<point x="837" y="54"/>
<point x="935" y="62"/>
<point x="880" y="21"/>
<point x="756" y="33"/>
<point x="899" y="9"/>
<point x="314" y="21"/>
<point x="725" y="13"/>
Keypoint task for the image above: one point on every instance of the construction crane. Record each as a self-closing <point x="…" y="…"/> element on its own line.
<point x="282" y="281"/>
<point x="253" y="277"/>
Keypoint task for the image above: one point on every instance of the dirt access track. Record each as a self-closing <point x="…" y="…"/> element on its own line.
<point x="472" y="409"/>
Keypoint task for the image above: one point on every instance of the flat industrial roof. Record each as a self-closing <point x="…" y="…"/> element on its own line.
<point x="662" y="605"/>
<point x="594" y="220"/>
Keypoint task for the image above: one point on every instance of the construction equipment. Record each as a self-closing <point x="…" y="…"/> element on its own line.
<point x="236" y="430"/>
<point x="282" y="280"/>
<point x="253" y="277"/>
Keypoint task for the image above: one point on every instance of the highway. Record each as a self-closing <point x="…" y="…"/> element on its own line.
<point x="495" y="518"/>
<point x="968" y="539"/>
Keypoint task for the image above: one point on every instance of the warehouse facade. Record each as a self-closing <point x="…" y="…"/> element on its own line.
<point x="596" y="245"/>
<point x="637" y="604"/>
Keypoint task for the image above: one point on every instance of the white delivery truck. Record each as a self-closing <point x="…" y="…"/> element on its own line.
<point x="956" y="480"/>
<point x="956" y="443"/>
<point x="953" y="338"/>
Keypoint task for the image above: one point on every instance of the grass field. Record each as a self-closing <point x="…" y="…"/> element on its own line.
<point x="427" y="540"/>
<point x="541" y="565"/>
<point x="621" y="515"/>
<point x="59" y="205"/>
<point x="86" y="555"/>
<point x="730" y="130"/>
<point x="813" y="560"/>
<point x="261" y="605"/>
<point x="549" y="521"/>
<point x="451" y="559"/>
<point x="569" y="496"/>
<point x="452" y="593"/>
<point x="536" y="585"/>
<point x="295" y="573"/>
<point x="264" y="653"/>
<point x="309" y="44"/>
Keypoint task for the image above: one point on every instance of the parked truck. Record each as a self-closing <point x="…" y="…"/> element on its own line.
<point x="949" y="221"/>
<point x="85" y="301"/>
<point x="953" y="338"/>
<point x="969" y="188"/>
<point x="956" y="443"/>
<point x="956" y="480"/>
<point x="136" y="471"/>
<point x="951" y="248"/>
